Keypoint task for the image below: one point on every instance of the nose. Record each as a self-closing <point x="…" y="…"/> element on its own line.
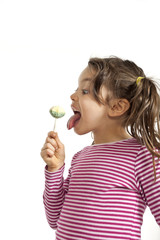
<point x="74" y="96"/>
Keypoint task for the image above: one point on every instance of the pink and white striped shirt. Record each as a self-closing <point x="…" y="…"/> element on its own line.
<point x="105" y="194"/>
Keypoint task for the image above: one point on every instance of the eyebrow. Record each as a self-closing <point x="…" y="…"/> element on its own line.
<point x="86" y="79"/>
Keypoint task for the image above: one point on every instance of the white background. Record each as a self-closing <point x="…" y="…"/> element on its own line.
<point x="44" y="45"/>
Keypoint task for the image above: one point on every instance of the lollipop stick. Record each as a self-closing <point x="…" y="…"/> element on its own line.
<point x="54" y="125"/>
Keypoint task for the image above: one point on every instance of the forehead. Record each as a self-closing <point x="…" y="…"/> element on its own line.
<point x="86" y="76"/>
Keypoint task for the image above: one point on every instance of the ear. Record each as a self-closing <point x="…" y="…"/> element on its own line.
<point x="118" y="107"/>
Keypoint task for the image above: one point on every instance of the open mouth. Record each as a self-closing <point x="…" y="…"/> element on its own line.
<point x="73" y="119"/>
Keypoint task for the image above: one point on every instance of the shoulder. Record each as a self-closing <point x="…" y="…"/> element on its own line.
<point x="144" y="156"/>
<point x="145" y="162"/>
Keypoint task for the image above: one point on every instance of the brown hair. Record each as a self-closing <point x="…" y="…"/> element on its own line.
<point x="142" y="119"/>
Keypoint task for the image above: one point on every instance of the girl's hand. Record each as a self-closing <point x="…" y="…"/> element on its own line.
<point x="53" y="152"/>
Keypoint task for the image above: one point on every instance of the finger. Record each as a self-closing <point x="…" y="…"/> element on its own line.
<point x="43" y="154"/>
<point x="52" y="142"/>
<point x="52" y="134"/>
<point x="48" y="146"/>
<point x="47" y="153"/>
<point x="60" y="144"/>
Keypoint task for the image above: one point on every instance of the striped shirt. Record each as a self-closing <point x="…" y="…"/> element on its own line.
<point x="105" y="194"/>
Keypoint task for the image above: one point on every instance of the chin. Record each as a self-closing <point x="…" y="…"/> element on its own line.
<point x="81" y="132"/>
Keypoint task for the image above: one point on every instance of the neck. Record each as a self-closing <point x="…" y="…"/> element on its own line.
<point x="111" y="135"/>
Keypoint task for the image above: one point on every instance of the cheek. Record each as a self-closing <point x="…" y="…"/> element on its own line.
<point x="93" y="112"/>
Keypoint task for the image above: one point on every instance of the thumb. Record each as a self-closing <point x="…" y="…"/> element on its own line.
<point x="60" y="144"/>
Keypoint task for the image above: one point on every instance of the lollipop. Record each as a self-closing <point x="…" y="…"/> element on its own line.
<point x="56" y="112"/>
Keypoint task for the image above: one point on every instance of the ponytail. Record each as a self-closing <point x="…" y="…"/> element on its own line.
<point x="144" y="117"/>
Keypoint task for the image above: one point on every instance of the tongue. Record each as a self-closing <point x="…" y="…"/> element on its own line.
<point x="73" y="120"/>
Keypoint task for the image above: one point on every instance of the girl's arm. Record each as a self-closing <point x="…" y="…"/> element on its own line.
<point x="55" y="187"/>
<point x="149" y="189"/>
<point x="54" y="194"/>
<point x="53" y="154"/>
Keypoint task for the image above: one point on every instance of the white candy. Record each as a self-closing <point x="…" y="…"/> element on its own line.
<point x="56" y="112"/>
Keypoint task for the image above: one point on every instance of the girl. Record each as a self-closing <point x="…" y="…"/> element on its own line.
<point x="111" y="182"/>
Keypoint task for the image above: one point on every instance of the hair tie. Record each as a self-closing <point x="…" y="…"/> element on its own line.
<point x="139" y="80"/>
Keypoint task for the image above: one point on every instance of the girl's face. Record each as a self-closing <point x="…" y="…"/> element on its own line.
<point x="89" y="115"/>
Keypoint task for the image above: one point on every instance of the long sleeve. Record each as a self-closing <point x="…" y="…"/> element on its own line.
<point x="54" y="195"/>
<point x="149" y="189"/>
